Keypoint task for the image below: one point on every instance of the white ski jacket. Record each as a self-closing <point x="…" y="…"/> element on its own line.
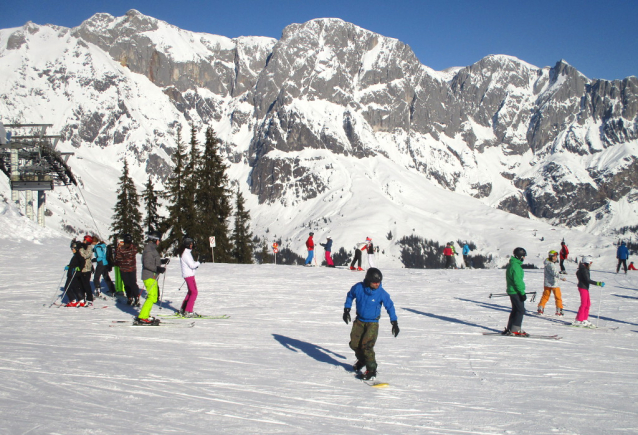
<point x="188" y="264"/>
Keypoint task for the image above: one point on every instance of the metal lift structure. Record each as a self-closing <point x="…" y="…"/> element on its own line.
<point x="29" y="158"/>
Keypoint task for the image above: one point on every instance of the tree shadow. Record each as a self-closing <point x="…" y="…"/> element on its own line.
<point x="450" y="319"/>
<point x="315" y="352"/>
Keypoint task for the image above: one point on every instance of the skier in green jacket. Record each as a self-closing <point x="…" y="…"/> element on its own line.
<point x="516" y="290"/>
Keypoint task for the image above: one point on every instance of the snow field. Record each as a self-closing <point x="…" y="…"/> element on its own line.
<point x="280" y="364"/>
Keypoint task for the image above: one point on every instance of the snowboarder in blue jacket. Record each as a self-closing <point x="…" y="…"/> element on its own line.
<point x="622" y="254"/>
<point x="369" y="295"/>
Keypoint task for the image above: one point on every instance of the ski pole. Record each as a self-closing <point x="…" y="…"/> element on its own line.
<point x="66" y="289"/>
<point x="57" y="289"/>
<point x="162" y="292"/>
<point x="600" y="303"/>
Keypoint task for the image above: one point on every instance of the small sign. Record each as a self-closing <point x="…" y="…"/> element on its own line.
<point x="212" y="241"/>
<point x="275" y="247"/>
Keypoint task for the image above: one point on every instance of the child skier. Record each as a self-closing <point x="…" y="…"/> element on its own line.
<point x="359" y="247"/>
<point x="370" y="250"/>
<point x="552" y="274"/>
<point x="73" y="286"/>
<point x="516" y="290"/>
<point x="151" y="268"/>
<point x="101" y="268"/>
<point x="328" y="247"/>
<point x="369" y="295"/>
<point x="584" y="281"/>
<point x="189" y="265"/>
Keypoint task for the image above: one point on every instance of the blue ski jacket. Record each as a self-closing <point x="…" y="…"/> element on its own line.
<point x="622" y="253"/>
<point x="466" y="249"/>
<point x="369" y="303"/>
<point x="100" y="253"/>
<point x="327" y="246"/>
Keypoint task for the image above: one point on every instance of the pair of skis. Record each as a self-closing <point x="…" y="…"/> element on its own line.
<point x="175" y="316"/>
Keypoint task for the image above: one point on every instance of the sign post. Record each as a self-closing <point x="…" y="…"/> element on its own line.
<point x="212" y="246"/>
<point x="275" y="249"/>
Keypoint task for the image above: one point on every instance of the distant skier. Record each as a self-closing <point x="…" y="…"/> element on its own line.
<point x="584" y="281"/>
<point x="73" y="285"/>
<point x="448" y="254"/>
<point x="310" y="245"/>
<point x="126" y="261"/>
<point x="86" y="250"/>
<point x="622" y="254"/>
<point x="370" y="296"/>
<point x="466" y="252"/>
<point x="102" y="267"/>
<point x="564" y="253"/>
<point x="189" y="266"/>
<point x="552" y="275"/>
<point x="151" y="269"/>
<point x="514" y="276"/>
<point x="328" y="247"/>
<point x="370" y="251"/>
<point x="358" y="248"/>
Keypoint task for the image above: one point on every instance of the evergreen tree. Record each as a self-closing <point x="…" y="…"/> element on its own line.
<point x="213" y="201"/>
<point x="189" y="223"/>
<point x="127" y="217"/>
<point x="150" y="196"/>
<point x="177" y="208"/>
<point x="241" y="237"/>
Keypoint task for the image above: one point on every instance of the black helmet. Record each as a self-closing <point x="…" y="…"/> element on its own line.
<point x="520" y="253"/>
<point x="187" y="242"/>
<point x="74" y="244"/>
<point x="127" y="238"/>
<point x="312" y="234"/>
<point x="373" y="275"/>
<point x="153" y="236"/>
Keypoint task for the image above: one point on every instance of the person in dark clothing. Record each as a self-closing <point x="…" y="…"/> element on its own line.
<point x="584" y="281"/>
<point x="370" y="296"/>
<point x="622" y="254"/>
<point x="564" y="253"/>
<point x="514" y="276"/>
<point x="359" y="247"/>
<point x="125" y="260"/>
<point x="328" y="247"/>
<point x="73" y="285"/>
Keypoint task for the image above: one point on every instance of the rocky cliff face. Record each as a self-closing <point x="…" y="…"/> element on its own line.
<point x="547" y="142"/>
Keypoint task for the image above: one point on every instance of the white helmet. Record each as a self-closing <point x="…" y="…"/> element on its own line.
<point x="587" y="259"/>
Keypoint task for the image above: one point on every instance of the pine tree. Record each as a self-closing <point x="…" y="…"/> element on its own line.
<point x="177" y="207"/>
<point x="189" y="222"/>
<point x="241" y="237"/>
<point x="149" y="195"/>
<point x="127" y="217"/>
<point x="213" y="201"/>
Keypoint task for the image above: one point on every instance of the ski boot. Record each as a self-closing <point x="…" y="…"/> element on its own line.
<point x="559" y="311"/>
<point x="358" y="366"/>
<point x="359" y="269"/>
<point x="520" y="334"/>
<point x="192" y="315"/>
<point x="81" y="304"/>
<point x="541" y="309"/>
<point x="506" y="332"/>
<point x="352" y="268"/>
<point x="136" y="303"/>
<point x="151" y="321"/>
<point x="72" y="304"/>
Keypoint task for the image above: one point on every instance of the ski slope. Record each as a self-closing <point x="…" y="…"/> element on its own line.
<point x="280" y="364"/>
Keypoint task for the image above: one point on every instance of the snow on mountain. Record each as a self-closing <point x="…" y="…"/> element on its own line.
<point x="334" y="129"/>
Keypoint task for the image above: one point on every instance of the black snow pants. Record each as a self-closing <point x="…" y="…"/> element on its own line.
<point x="515" y="322"/>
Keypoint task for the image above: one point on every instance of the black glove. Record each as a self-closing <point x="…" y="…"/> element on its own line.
<point x="165" y="260"/>
<point x="93" y="260"/>
<point x="161" y="269"/>
<point x="346" y="315"/>
<point x="523" y="298"/>
<point x="395" y="328"/>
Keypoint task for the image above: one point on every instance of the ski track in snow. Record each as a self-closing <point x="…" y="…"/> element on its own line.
<point x="281" y="363"/>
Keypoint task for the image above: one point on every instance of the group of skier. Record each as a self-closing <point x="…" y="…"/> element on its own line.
<point x="92" y="250"/>
<point x="366" y="246"/>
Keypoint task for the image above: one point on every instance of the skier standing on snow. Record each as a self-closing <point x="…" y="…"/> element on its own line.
<point x="359" y="247"/>
<point x="73" y="284"/>
<point x="86" y="250"/>
<point x="310" y="245"/>
<point x="151" y="269"/>
<point x="369" y="295"/>
<point x="101" y="268"/>
<point x="584" y="281"/>
<point x="552" y="275"/>
<point x="370" y="250"/>
<point x="622" y="254"/>
<point x="466" y="252"/>
<point x="516" y="290"/>
<point x="189" y="265"/>
<point x="125" y="260"/>
<point x="328" y="247"/>
<point x="564" y="253"/>
<point x="448" y="254"/>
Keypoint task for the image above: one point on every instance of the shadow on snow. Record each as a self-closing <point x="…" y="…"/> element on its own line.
<point x="449" y="319"/>
<point x="315" y="352"/>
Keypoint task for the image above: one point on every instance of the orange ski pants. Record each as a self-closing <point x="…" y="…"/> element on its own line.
<point x="547" y="292"/>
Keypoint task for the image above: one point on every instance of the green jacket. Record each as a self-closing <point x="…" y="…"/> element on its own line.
<point x="514" y="276"/>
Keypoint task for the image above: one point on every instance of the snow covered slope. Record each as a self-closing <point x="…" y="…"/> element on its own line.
<point x="280" y="363"/>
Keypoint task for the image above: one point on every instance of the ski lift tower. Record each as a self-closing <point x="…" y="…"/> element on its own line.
<point x="29" y="158"/>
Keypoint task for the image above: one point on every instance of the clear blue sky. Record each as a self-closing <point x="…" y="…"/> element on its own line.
<point x="599" y="38"/>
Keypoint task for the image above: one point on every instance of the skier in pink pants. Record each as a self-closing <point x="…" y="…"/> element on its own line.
<point x="188" y="273"/>
<point x="583" y="287"/>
